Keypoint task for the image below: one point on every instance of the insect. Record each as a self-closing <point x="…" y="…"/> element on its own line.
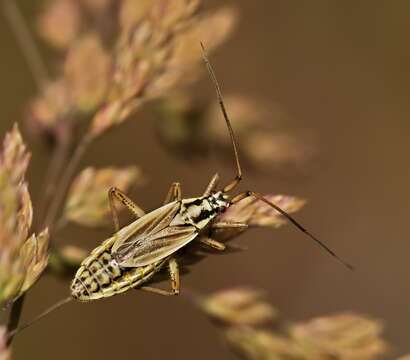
<point x="139" y="250"/>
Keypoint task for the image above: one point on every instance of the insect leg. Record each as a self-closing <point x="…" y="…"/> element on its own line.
<point x="174" y="193"/>
<point x="246" y="194"/>
<point x="175" y="283"/>
<point x="114" y="193"/>
<point x="174" y="275"/>
<point x="229" y="225"/>
<point x="212" y="243"/>
<point x="156" y="290"/>
<point x="212" y="185"/>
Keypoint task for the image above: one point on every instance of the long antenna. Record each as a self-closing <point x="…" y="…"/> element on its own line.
<point x="294" y="222"/>
<point x="238" y="166"/>
<point x="40" y="316"/>
<point x="223" y="108"/>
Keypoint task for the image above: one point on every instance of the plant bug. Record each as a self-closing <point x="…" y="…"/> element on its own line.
<point x="137" y="251"/>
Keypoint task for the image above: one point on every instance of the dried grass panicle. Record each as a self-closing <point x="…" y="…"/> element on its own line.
<point x="87" y="88"/>
<point x="150" y="60"/>
<point x="87" y="202"/>
<point x="344" y="336"/>
<point x="22" y="258"/>
<point x="157" y="49"/>
<point x="257" y="344"/>
<point x="238" y="306"/>
<point x="256" y="213"/>
<point x="79" y="91"/>
<point x="60" y="23"/>
<point x="49" y="108"/>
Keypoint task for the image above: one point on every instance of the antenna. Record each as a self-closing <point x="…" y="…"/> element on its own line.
<point x="295" y="223"/>
<point x="38" y="317"/>
<point x="239" y="171"/>
<point x="224" y="112"/>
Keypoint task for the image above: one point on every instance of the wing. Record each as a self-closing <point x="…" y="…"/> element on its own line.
<point x="146" y="225"/>
<point x="146" y="250"/>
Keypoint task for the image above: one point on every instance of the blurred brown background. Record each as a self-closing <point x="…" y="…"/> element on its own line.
<point x="340" y="71"/>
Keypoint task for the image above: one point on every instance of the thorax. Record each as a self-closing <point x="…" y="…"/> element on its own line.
<point x="200" y="211"/>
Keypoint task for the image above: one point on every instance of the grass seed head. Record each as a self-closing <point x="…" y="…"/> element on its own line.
<point x="22" y="258"/>
<point x="150" y="59"/>
<point x="256" y="344"/>
<point x="87" y="88"/>
<point x="240" y="306"/>
<point x="345" y="336"/>
<point x="60" y="23"/>
<point x="87" y="202"/>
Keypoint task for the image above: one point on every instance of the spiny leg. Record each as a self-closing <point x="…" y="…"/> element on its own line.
<point x="174" y="193"/>
<point x="114" y="193"/>
<point x="229" y="225"/>
<point x="220" y="226"/>
<point x="246" y="194"/>
<point x="175" y="283"/>
<point x="212" y="243"/>
<point x="212" y="185"/>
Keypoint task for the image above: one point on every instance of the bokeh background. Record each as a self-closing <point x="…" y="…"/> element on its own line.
<point x="339" y="70"/>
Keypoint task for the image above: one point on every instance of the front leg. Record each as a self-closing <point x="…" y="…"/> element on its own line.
<point x="217" y="245"/>
<point x="114" y="193"/>
<point x="174" y="193"/>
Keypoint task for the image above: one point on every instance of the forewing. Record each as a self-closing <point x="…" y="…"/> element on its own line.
<point x="146" y="250"/>
<point x="146" y="226"/>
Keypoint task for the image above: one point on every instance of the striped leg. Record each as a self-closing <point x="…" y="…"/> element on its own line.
<point x="212" y="243"/>
<point x="212" y="185"/>
<point x="175" y="283"/>
<point x="174" y="193"/>
<point x="114" y="193"/>
<point x="229" y="225"/>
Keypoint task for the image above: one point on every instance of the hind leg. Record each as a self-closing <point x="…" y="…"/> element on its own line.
<point x="174" y="277"/>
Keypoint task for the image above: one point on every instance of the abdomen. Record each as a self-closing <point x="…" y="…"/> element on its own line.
<point x="100" y="275"/>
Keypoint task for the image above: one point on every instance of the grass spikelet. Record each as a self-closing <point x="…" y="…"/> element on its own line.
<point x="22" y="258"/>
<point x="344" y="336"/>
<point x="238" y="306"/>
<point x="59" y="25"/>
<point x="87" y="203"/>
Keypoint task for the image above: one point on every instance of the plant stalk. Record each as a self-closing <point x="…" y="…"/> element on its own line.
<point x="14" y="318"/>
<point x="26" y="42"/>
<point x="65" y="181"/>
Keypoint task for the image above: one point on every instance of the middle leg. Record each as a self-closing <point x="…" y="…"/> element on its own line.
<point x="175" y="283"/>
